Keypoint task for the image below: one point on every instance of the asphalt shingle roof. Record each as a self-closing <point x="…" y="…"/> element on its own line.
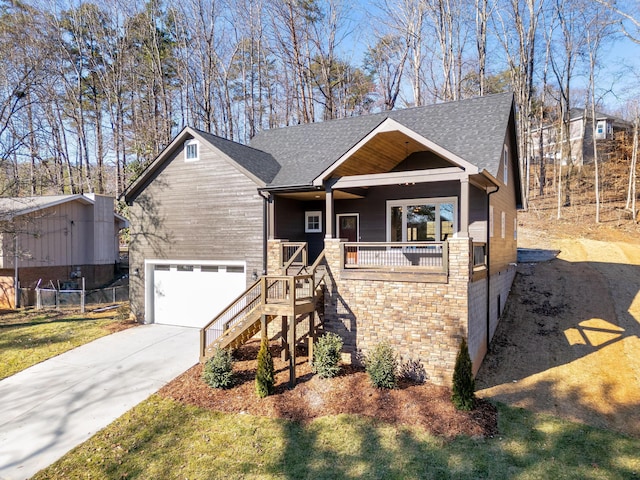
<point x="473" y="129"/>
<point x="259" y="163"/>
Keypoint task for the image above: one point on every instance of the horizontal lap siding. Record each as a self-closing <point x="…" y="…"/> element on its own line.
<point x="202" y="210"/>
<point x="504" y="250"/>
<point x="373" y="208"/>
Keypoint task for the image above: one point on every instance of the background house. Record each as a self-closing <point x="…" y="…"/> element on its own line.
<point x="412" y="213"/>
<point x="609" y="130"/>
<point x="60" y="238"/>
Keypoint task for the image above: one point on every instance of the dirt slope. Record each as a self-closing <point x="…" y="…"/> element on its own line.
<point x="568" y="343"/>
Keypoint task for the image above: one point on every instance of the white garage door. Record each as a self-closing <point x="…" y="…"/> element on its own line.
<point x="192" y="295"/>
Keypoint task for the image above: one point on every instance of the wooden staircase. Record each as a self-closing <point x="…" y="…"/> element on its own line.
<point x="269" y="297"/>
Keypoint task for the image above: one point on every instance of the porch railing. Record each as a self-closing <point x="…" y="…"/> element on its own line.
<point x="293" y="253"/>
<point x="396" y="256"/>
<point x="287" y="289"/>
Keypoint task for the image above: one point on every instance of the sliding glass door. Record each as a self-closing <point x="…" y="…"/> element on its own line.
<point x="421" y="220"/>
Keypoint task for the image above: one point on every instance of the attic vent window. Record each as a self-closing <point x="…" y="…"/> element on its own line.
<point x="191" y="151"/>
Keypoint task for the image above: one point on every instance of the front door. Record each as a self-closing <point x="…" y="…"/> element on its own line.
<point x="349" y="230"/>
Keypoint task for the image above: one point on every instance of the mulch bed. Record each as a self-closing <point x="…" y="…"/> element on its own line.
<point x="424" y="405"/>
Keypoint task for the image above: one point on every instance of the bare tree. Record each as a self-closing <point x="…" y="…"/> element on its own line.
<point x="386" y="61"/>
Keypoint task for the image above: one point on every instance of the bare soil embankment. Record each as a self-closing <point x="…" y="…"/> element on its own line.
<point x="569" y="340"/>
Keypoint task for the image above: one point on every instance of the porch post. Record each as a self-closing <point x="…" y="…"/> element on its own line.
<point x="329" y="212"/>
<point x="464" y="208"/>
<point x="271" y="218"/>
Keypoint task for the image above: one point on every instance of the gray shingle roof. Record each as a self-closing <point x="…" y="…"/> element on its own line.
<point x="259" y="163"/>
<point x="473" y="129"/>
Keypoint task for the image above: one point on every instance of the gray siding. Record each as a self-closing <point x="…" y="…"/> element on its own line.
<point x="201" y="210"/>
<point x="71" y="233"/>
<point x="373" y="208"/>
<point x="477" y="214"/>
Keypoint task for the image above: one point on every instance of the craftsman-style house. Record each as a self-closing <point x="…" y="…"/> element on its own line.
<point x="398" y="226"/>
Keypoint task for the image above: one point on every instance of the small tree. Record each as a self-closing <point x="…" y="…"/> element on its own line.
<point x="265" y="371"/>
<point x="326" y="355"/>
<point x="464" y="385"/>
<point x="217" y="372"/>
<point x="381" y="365"/>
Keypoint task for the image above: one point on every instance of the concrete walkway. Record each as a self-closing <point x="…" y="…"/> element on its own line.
<point x="51" y="407"/>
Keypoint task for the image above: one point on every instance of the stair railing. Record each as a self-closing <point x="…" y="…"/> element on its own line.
<point x="234" y="313"/>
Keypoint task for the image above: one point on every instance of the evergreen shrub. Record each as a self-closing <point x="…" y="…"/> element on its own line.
<point x="217" y="371"/>
<point x="265" y="376"/>
<point x="382" y="365"/>
<point x="326" y="355"/>
<point x="463" y="390"/>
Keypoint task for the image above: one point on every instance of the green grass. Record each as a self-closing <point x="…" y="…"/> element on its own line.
<point x="27" y="338"/>
<point x="161" y="438"/>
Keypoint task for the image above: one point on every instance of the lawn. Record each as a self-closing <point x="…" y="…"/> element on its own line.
<point x="162" y="438"/>
<point x="29" y="337"/>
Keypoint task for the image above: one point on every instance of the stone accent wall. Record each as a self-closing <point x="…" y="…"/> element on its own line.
<point x="274" y="248"/>
<point x="422" y="321"/>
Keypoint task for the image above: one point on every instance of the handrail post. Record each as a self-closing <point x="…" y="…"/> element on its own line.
<point x="263" y="290"/>
<point x="445" y="257"/>
<point x="292" y="291"/>
<point x="203" y="340"/>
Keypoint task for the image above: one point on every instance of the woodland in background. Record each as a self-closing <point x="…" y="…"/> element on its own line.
<point x="90" y="93"/>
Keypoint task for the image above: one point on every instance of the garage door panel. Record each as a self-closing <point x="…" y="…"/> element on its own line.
<point x="192" y="296"/>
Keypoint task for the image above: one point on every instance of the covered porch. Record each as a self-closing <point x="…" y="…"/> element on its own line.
<point x="394" y="201"/>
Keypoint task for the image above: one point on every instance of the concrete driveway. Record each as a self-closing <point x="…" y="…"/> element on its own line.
<point x="51" y="407"/>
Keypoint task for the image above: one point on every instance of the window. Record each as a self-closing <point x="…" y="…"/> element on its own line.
<point x="235" y="269"/>
<point x="421" y="220"/>
<point x="313" y="222"/>
<point x="515" y="228"/>
<point x="491" y="220"/>
<point x="191" y="150"/>
<point x="503" y="226"/>
<point x="505" y="165"/>
<point x="601" y="129"/>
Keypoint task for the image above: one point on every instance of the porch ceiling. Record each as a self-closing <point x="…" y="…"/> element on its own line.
<point x="380" y="154"/>
<point x="321" y="195"/>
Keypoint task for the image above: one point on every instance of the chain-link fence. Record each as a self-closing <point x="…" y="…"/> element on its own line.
<point x="55" y="298"/>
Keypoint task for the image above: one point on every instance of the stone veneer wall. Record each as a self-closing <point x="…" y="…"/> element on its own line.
<point x="422" y="321"/>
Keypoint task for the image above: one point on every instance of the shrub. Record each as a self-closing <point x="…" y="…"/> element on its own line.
<point x="381" y="365"/>
<point x="217" y="372"/>
<point x="413" y="370"/>
<point x="464" y="386"/>
<point x="265" y="376"/>
<point x="123" y="312"/>
<point x="326" y="355"/>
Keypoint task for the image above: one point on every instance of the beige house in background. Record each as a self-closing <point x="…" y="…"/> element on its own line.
<point x="59" y="238"/>
<point x="581" y="137"/>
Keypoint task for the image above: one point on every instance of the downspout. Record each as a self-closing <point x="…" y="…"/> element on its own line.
<point x="265" y="223"/>
<point x="489" y="267"/>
